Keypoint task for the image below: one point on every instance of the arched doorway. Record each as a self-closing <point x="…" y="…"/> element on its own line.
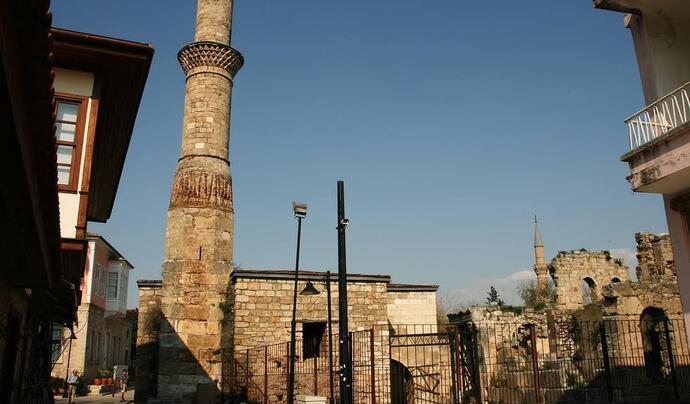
<point x="589" y="291"/>
<point x="401" y="381"/>
<point x="652" y="324"/>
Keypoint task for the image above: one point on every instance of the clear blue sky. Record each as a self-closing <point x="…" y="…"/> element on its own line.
<point x="451" y="122"/>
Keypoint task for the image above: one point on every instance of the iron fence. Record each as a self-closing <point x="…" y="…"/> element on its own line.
<point x="575" y="362"/>
<point x="545" y="362"/>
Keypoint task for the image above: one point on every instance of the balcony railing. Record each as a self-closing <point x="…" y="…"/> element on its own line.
<point x="659" y="118"/>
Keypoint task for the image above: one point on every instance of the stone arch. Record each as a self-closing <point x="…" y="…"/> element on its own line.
<point x="401" y="382"/>
<point x="652" y="322"/>
<point x="590" y="292"/>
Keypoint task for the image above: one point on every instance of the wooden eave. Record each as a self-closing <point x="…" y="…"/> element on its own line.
<point x="120" y="68"/>
<point x="30" y="231"/>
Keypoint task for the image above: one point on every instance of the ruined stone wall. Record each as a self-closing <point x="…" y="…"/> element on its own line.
<point x="569" y="269"/>
<point x="628" y="300"/>
<point x="504" y="341"/>
<point x="148" y="326"/>
<point x="654" y="256"/>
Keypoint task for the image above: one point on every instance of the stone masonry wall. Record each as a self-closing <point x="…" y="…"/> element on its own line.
<point x="148" y="325"/>
<point x="263" y="309"/>
<point x="654" y="256"/>
<point x="569" y="269"/>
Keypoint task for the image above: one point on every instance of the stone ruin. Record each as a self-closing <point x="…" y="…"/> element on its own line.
<point x="596" y="311"/>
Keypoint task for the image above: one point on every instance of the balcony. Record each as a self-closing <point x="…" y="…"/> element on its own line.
<point x="659" y="140"/>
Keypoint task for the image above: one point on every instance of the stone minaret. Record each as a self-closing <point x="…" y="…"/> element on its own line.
<point x="199" y="236"/>
<point x="540" y="267"/>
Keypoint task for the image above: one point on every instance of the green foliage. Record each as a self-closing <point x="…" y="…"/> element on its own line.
<point x="493" y="297"/>
<point x="512" y="309"/>
<point x="56" y="384"/>
<point x="104" y="373"/>
<point x="607" y="253"/>
<point x="534" y="297"/>
<point x="572" y="381"/>
<point x="82" y="388"/>
<point x="226" y="307"/>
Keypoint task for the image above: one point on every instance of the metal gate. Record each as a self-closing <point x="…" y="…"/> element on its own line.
<point x="422" y="364"/>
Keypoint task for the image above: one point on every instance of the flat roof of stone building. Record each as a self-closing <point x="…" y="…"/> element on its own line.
<point x="287" y="274"/>
<point x="401" y="287"/>
<point x="305" y="275"/>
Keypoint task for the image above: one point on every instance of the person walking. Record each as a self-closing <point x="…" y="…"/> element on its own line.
<point x="124" y="381"/>
<point x="72" y="382"/>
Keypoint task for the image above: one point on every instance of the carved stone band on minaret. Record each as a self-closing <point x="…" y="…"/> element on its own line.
<point x="201" y="189"/>
<point x="210" y="54"/>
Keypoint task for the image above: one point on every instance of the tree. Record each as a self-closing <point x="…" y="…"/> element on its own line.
<point x="493" y="297"/>
<point x="534" y="296"/>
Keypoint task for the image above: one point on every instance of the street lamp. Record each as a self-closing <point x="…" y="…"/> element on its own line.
<point x="300" y="211"/>
<point x="69" y="357"/>
<point x="310" y="290"/>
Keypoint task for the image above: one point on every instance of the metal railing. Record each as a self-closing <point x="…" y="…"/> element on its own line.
<point x="660" y="117"/>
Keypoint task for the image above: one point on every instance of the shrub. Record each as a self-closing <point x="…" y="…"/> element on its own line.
<point x="57" y="384"/>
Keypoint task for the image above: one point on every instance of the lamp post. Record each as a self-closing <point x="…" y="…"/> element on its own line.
<point x="343" y="335"/>
<point x="69" y="357"/>
<point x="310" y="290"/>
<point x="300" y="211"/>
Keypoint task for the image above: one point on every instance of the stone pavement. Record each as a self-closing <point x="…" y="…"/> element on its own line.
<point x="106" y="398"/>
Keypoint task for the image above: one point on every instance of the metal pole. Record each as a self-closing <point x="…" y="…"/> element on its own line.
<point x="291" y="371"/>
<point x="535" y="363"/>
<point x="607" y="363"/>
<point x="266" y="374"/>
<point x="453" y="363"/>
<point x="69" y="357"/>
<point x="345" y="358"/>
<point x="330" y="338"/>
<point x="373" y="366"/>
<point x="671" y="359"/>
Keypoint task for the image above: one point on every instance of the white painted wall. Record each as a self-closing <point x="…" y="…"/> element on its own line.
<point x="73" y="82"/>
<point x="662" y="44"/>
<point x="69" y="207"/>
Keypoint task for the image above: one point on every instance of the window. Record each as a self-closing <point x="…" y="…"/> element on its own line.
<point x="56" y="343"/>
<point x="112" y="285"/>
<point x="68" y="117"/>
<point x="312" y="338"/>
<point x="95" y="286"/>
<point x="123" y="289"/>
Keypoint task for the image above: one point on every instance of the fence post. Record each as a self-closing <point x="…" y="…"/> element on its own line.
<point x="535" y="363"/>
<point x="373" y="367"/>
<point x="353" y="386"/>
<point x="266" y="374"/>
<point x="607" y="363"/>
<point x="453" y="364"/>
<point x="671" y="359"/>
<point x="316" y="371"/>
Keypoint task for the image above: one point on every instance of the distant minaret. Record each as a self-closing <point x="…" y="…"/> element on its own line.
<point x="540" y="267"/>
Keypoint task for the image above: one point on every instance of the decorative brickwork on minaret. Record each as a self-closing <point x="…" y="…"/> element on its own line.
<point x="540" y="267"/>
<point x="199" y="237"/>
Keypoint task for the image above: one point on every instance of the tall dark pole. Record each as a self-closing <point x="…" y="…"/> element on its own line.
<point x="69" y="356"/>
<point x="343" y="339"/>
<point x="330" y="337"/>
<point x="291" y="373"/>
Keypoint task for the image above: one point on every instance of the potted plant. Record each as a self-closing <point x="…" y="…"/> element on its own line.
<point x="101" y="377"/>
<point x="108" y="376"/>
